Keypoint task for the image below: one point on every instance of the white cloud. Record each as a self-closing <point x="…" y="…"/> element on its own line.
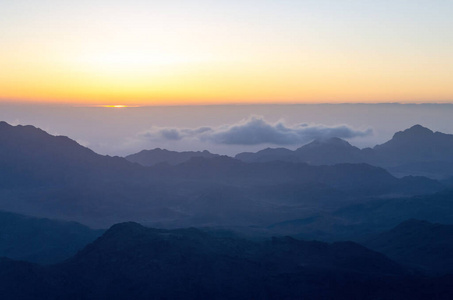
<point x="256" y="131"/>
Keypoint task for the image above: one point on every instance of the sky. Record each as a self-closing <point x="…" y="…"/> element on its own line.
<point x="142" y="53"/>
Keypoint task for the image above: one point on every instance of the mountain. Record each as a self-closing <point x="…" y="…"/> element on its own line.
<point x="357" y="177"/>
<point x="267" y="155"/>
<point x="54" y="177"/>
<point x="415" y="151"/>
<point x="421" y="244"/>
<point x="416" y="144"/>
<point x="418" y="151"/>
<point x="319" y="152"/>
<point x="42" y="241"/>
<point x="365" y="218"/>
<point x="157" y="156"/>
<point x="133" y="262"/>
<point x="330" y="151"/>
<point x="31" y="157"/>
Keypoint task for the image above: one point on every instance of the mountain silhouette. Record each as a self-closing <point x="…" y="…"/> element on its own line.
<point x="267" y="155"/>
<point x="319" y="152"/>
<point x="54" y="177"/>
<point x="416" y="144"/>
<point x="157" y="156"/>
<point x="30" y="156"/>
<point x="130" y="261"/>
<point x="414" y="151"/>
<point x="329" y="151"/>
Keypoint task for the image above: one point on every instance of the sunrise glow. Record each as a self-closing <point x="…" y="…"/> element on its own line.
<point x="221" y="52"/>
<point x="115" y="106"/>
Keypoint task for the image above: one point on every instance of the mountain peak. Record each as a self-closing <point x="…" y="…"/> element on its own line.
<point x="4" y="124"/>
<point x="326" y="143"/>
<point x="158" y="155"/>
<point x="414" y="131"/>
<point x="333" y="141"/>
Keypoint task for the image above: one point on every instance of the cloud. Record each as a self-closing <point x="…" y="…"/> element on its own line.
<point x="256" y="131"/>
<point x="170" y="134"/>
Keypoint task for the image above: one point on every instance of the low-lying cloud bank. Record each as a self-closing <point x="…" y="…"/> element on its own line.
<point x="255" y="131"/>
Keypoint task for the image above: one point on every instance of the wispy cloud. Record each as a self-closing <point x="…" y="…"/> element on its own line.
<point x="255" y="131"/>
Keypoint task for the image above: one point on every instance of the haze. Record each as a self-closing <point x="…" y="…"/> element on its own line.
<point x="123" y="131"/>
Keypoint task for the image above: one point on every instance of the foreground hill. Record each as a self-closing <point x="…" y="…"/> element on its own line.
<point x="42" y="241"/>
<point x="133" y="262"/>
<point x="414" y="151"/>
<point x="421" y="244"/>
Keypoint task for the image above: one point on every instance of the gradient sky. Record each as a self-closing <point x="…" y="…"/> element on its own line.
<point x="141" y="52"/>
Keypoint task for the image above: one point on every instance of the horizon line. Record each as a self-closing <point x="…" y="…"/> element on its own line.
<point x="125" y="105"/>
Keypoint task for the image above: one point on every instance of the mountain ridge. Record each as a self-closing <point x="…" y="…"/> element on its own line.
<point x="156" y="156"/>
<point x="404" y="154"/>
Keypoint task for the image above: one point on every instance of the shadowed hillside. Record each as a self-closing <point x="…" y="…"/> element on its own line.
<point x="134" y="262"/>
<point x="42" y="240"/>
<point x="418" y="243"/>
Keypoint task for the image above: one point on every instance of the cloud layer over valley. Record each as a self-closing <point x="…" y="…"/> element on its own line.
<point x="256" y="131"/>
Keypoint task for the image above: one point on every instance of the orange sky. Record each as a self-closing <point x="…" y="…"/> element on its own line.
<point x="157" y="54"/>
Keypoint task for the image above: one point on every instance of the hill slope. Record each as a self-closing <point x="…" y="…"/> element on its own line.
<point x="133" y="262"/>
<point x="42" y="240"/>
<point x="418" y="243"/>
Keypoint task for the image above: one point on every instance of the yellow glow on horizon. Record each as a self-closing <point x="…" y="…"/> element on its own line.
<point x="156" y="53"/>
<point x="115" y="106"/>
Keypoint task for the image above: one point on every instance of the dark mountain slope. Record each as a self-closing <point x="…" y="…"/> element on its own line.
<point x="357" y="177"/>
<point x="387" y="213"/>
<point x="267" y="155"/>
<point x="133" y="262"/>
<point x="367" y="218"/>
<point x="330" y="151"/>
<point x="54" y="177"/>
<point x="319" y="152"/>
<point x="418" y="243"/>
<point x="30" y="157"/>
<point x="416" y="144"/>
<point x="42" y="240"/>
<point x="157" y="156"/>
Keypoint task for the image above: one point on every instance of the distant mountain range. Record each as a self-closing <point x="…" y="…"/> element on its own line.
<point x="133" y="262"/>
<point x="414" y="151"/>
<point x="53" y="176"/>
